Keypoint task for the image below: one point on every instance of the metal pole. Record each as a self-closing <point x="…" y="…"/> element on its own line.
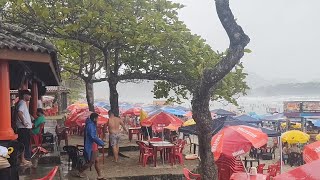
<point x="280" y="146"/>
<point x="148" y="132"/>
<point x="302" y="119"/>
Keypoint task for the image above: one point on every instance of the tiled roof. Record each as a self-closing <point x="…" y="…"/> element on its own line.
<point x="50" y="89"/>
<point x="55" y="88"/>
<point x="9" y="40"/>
<point x="13" y="37"/>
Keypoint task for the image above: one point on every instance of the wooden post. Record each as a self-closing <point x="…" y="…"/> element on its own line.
<point x="6" y="131"/>
<point x="34" y="98"/>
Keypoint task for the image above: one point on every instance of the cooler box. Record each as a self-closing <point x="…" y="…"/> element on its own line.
<point x="47" y="138"/>
<point x="266" y="156"/>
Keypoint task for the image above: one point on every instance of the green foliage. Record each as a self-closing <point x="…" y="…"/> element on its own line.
<point x="75" y="84"/>
<point x="134" y="37"/>
<point x="79" y="59"/>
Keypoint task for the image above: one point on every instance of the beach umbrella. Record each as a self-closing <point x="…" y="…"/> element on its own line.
<point x="132" y="112"/>
<point x="76" y="106"/>
<point x="107" y="107"/>
<point x="72" y="120"/>
<point x="150" y="108"/>
<point x="125" y="106"/>
<point x="167" y="110"/>
<point x="229" y="121"/>
<point x="234" y="141"/>
<point x="279" y="116"/>
<point x="294" y="137"/>
<point x="248" y="119"/>
<point x="172" y="127"/>
<point x="222" y="112"/>
<point x="174" y="111"/>
<point x="311" y="152"/>
<point x="74" y="114"/>
<point x="309" y="171"/>
<point x="318" y="137"/>
<point x="316" y="122"/>
<point x="188" y="114"/>
<point x="293" y="125"/>
<point x="162" y="119"/>
<point x="143" y="115"/>
<point x="101" y="111"/>
<point x="101" y="103"/>
<point x="81" y="119"/>
<point x="189" y="122"/>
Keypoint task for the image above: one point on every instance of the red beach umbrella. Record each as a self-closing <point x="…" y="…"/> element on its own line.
<point x="237" y="140"/>
<point x="311" y="152"/>
<point x="309" y="171"/>
<point x="162" y="119"/>
<point x="132" y="112"/>
<point x="76" y="106"/>
<point x="188" y="114"/>
<point x="101" y="111"/>
<point x="81" y="119"/>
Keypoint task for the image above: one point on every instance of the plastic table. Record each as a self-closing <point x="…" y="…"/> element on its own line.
<point x="245" y="176"/>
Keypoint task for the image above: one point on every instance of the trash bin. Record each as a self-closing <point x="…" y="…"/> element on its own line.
<point x="12" y="172"/>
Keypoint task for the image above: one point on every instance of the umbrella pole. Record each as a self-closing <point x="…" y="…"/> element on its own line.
<point x="245" y="168"/>
<point x="148" y="132"/>
<point x="164" y="151"/>
<point x="280" y="146"/>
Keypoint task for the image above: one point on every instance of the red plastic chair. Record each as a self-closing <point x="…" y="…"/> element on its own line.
<point x="141" y="146"/>
<point x="50" y="175"/>
<point x="177" y="153"/>
<point x="37" y="138"/>
<point x="189" y="175"/>
<point x="260" y="168"/>
<point x="272" y="173"/>
<point x="147" y="153"/>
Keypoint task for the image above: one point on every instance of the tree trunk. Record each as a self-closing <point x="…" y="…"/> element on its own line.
<point x="202" y="116"/>
<point x="89" y="95"/>
<point x="114" y="103"/>
<point x="114" y="96"/>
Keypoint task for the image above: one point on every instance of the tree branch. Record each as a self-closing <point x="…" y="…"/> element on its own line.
<point x="238" y="41"/>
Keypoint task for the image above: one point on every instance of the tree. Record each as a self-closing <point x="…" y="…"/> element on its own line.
<point x="107" y="25"/>
<point x="116" y="28"/>
<point x="75" y="84"/>
<point x="205" y="74"/>
<point x="83" y="61"/>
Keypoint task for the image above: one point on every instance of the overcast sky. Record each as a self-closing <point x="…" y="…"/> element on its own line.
<point x="285" y="34"/>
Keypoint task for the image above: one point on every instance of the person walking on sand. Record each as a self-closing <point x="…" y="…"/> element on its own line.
<point x="91" y="142"/>
<point x="114" y="130"/>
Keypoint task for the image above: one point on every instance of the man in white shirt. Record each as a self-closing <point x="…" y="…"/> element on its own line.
<point x="40" y="104"/>
<point x="24" y="124"/>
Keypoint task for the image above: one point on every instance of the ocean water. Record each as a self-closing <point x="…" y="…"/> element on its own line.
<point x="141" y="92"/>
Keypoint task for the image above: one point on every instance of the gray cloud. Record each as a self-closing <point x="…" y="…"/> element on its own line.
<point x="284" y="34"/>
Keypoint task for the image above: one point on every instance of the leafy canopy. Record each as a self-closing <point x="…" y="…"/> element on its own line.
<point x="145" y="35"/>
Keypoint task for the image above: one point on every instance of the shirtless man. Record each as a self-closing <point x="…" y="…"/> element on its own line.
<point x="114" y="130"/>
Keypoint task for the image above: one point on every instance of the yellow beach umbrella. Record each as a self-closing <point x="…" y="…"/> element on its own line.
<point x="295" y="126"/>
<point x="143" y="115"/>
<point x="189" y="122"/>
<point x="318" y="137"/>
<point x="294" y="137"/>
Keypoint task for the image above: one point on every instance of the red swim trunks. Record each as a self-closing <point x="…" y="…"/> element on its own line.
<point x="94" y="147"/>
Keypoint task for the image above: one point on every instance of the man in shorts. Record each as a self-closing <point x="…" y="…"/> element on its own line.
<point x="91" y="142"/>
<point x="114" y="130"/>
